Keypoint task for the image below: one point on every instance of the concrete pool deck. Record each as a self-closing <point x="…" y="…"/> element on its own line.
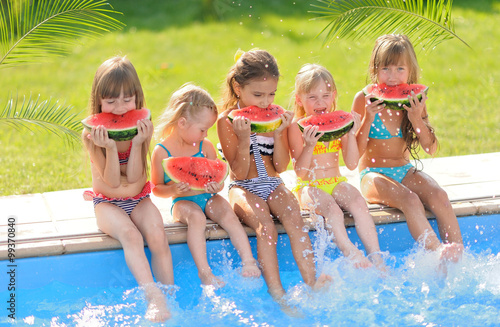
<point x="61" y="222"/>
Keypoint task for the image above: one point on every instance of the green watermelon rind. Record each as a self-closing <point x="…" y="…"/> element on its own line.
<point x="173" y="176"/>
<point x="395" y="104"/>
<point x="122" y="134"/>
<point x="333" y="134"/>
<point x="261" y="126"/>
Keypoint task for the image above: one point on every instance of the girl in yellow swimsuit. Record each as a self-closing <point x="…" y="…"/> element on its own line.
<point x="320" y="185"/>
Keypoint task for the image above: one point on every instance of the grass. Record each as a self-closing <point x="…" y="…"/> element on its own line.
<point x="173" y="42"/>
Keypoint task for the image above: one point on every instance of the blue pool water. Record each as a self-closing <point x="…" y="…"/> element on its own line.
<point x="97" y="289"/>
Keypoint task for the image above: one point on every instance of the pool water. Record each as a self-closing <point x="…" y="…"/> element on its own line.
<point x="97" y="289"/>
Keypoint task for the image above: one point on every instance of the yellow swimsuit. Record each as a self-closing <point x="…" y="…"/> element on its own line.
<point x="325" y="184"/>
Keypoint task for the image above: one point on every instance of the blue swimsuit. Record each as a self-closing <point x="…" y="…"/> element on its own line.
<point x="380" y="132"/>
<point x="200" y="199"/>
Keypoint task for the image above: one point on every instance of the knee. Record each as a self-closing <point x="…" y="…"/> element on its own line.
<point x="156" y="239"/>
<point x="439" y="197"/>
<point x="131" y="236"/>
<point x="411" y="201"/>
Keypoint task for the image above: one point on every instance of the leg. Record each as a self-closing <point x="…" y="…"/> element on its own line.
<point x="220" y="211"/>
<point x="326" y="206"/>
<point x="378" y="188"/>
<point x="285" y="207"/>
<point x="117" y="224"/>
<point x="436" y="200"/>
<point x="190" y="214"/>
<point x="254" y="212"/>
<point x="350" y="199"/>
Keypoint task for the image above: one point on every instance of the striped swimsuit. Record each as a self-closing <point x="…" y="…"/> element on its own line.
<point x="263" y="185"/>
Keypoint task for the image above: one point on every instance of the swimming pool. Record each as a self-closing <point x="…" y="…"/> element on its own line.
<point x="97" y="289"/>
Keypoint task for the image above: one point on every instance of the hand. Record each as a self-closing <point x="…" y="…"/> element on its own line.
<point x="241" y="127"/>
<point x="416" y="108"/>
<point x="99" y="135"/>
<point x="373" y="108"/>
<point x="144" y="131"/>
<point x="181" y="188"/>
<point x="213" y="187"/>
<point x="286" y="119"/>
<point x="311" y="135"/>
<point x="357" y="122"/>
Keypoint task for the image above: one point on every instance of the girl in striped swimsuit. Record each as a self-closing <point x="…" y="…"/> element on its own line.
<point x="120" y="193"/>
<point x="257" y="193"/>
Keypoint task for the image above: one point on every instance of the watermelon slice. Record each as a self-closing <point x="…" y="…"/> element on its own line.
<point x="334" y="124"/>
<point x="394" y="96"/>
<point x="262" y="120"/>
<point x="120" y="127"/>
<point x="196" y="171"/>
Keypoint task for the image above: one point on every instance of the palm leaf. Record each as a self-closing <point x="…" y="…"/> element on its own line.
<point x="426" y="26"/>
<point x="46" y="115"/>
<point x="31" y="31"/>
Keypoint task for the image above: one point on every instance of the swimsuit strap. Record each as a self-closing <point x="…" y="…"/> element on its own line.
<point x="261" y="168"/>
<point x="168" y="152"/>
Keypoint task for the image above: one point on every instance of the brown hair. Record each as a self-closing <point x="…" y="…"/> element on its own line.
<point x="254" y="64"/>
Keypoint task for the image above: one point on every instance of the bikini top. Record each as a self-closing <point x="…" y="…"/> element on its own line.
<point x="197" y="154"/>
<point x="123" y="156"/>
<point x="333" y="146"/>
<point x="265" y="144"/>
<point x="379" y="131"/>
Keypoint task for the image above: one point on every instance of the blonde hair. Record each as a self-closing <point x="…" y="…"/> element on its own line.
<point x="113" y="76"/>
<point x="251" y="65"/>
<point x="307" y="78"/>
<point x="186" y="102"/>
<point x="391" y="49"/>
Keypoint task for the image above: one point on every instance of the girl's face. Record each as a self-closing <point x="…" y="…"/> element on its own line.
<point x="195" y="129"/>
<point x="394" y="74"/>
<point x="259" y="92"/>
<point x="318" y="100"/>
<point x="119" y="105"/>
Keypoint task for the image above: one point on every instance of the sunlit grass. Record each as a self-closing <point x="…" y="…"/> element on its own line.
<point x="170" y="49"/>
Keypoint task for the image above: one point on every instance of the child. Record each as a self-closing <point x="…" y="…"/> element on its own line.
<point x="183" y="130"/>
<point x="257" y="192"/>
<point x="120" y="194"/>
<point x="320" y="186"/>
<point x="387" y="138"/>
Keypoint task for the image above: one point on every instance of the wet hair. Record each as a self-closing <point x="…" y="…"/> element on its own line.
<point x="392" y="49"/>
<point x="252" y="65"/>
<point x="113" y="76"/>
<point x="307" y="78"/>
<point x="186" y="102"/>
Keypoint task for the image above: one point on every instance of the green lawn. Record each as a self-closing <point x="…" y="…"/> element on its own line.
<point x="174" y="42"/>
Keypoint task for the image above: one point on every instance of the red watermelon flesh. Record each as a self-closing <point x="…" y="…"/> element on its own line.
<point x="262" y="120"/>
<point x="120" y="127"/>
<point x="334" y="124"/>
<point x="394" y="96"/>
<point x="196" y="171"/>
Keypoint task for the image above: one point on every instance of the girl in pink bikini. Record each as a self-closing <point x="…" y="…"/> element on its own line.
<point x="121" y="190"/>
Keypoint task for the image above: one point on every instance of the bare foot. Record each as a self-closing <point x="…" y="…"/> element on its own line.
<point x="378" y="261"/>
<point x="323" y="281"/>
<point x="250" y="269"/>
<point x="278" y="295"/>
<point x="208" y="278"/>
<point x="157" y="310"/>
<point x="451" y="252"/>
<point x="359" y="260"/>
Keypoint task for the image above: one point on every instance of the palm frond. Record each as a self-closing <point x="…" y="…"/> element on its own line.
<point x="426" y="25"/>
<point x="34" y="30"/>
<point x="36" y="115"/>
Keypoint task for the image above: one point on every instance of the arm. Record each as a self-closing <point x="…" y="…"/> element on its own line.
<point x="135" y="165"/>
<point x="281" y="156"/>
<point x="367" y="111"/>
<point x="235" y="140"/>
<point x="350" y="150"/>
<point x="417" y="114"/>
<point x="108" y="166"/>
<point x="301" y="147"/>
<point x="161" y="189"/>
